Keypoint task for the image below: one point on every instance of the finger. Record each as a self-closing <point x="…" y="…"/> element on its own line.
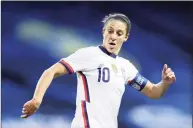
<point x="170" y="73"/>
<point x="26" y="108"/>
<point x="166" y="77"/>
<point x="24" y="116"/>
<point x="172" y="76"/>
<point x="25" y="112"/>
<point x="26" y="104"/>
<point x="31" y="111"/>
<point x="168" y="70"/>
<point x="164" y="68"/>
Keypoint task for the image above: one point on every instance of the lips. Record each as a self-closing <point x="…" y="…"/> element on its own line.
<point x="112" y="43"/>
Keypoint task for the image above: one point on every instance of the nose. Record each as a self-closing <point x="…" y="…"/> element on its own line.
<point x="113" y="36"/>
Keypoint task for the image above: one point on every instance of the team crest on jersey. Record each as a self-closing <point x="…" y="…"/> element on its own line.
<point x="114" y="68"/>
<point x="101" y="65"/>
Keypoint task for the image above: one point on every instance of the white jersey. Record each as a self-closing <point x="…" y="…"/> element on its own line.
<point x="101" y="83"/>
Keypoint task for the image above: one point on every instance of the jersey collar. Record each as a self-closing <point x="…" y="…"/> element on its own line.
<point x="106" y="52"/>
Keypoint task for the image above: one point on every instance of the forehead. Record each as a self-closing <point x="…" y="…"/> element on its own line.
<point x="116" y="24"/>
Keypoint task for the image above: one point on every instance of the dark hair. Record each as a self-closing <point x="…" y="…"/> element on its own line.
<point x="118" y="16"/>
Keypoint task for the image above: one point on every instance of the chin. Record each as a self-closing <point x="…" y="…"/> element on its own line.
<point x="111" y="51"/>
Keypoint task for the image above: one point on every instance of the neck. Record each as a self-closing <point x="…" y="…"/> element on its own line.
<point x="116" y="52"/>
<point x="106" y="52"/>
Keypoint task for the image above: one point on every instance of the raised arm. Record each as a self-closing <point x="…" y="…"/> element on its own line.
<point x="44" y="82"/>
<point x="155" y="91"/>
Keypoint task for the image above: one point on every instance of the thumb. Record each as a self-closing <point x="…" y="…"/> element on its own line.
<point x="164" y="68"/>
<point x="24" y="116"/>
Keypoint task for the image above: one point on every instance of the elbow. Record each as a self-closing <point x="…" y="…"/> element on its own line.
<point x="48" y="72"/>
<point x="51" y="73"/>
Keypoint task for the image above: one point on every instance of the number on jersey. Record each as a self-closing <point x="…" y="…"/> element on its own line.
<point x="104" y="74"/>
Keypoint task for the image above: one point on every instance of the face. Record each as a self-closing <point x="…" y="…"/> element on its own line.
<point x="114" y="34"/>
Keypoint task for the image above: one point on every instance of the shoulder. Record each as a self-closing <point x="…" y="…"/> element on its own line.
<point x="86" y="52"/>
<point x="87" y="49"/>
<point x="125" y="63"/>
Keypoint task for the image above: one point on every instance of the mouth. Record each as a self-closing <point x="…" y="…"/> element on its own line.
<point x="112" y="44"/>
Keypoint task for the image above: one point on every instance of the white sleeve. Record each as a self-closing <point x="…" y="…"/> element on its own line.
<point x="78" y="61"/>
<point x="134" y="78"/>
<point x="130" y="72"/>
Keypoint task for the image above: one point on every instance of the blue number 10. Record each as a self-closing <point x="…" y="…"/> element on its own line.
<point x="105" y="73"/>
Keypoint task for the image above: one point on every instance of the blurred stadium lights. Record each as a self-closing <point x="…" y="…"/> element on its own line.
<point x="59" y="41"/>
<point x="162" y="116"/>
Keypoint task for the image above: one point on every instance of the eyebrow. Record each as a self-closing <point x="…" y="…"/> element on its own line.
<point x="119" y="30"/>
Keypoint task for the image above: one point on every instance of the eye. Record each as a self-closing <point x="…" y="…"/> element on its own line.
<point x="119" y="33"/>
<point x="110" y="31"/>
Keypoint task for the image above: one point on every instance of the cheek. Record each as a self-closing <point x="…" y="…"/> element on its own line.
<point x="106" y="37"/>
<point x="120" y="40"/>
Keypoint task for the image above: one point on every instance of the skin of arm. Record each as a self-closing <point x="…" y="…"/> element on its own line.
<point x="44" y="82"/>
<point x="155" y="91"/>
<point x="46" y="78"/>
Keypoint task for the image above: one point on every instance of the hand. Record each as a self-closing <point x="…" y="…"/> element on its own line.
<point x="168" y="76"/>
<point x="30" y="108"/>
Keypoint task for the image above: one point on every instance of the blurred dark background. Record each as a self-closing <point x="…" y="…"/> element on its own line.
<point x="36" y="35"/>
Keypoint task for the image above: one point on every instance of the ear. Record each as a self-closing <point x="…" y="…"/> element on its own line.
<point x="126" y="37"/>
<point x="103" y="31"/>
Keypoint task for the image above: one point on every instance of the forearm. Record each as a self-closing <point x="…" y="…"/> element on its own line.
<point x="155" y="91"/>
<point x="159" y="89"/>
<point x="42" y="85"/>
